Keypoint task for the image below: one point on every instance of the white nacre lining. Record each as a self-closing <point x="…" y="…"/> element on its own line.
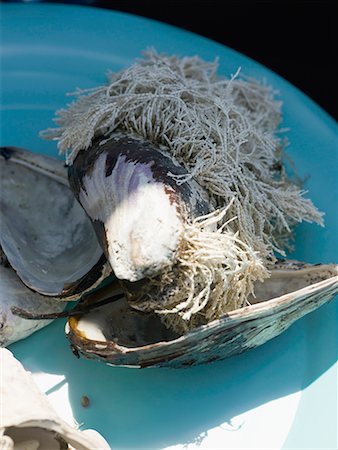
<point x="129" y="202"/>
<point x="45" y="234"/>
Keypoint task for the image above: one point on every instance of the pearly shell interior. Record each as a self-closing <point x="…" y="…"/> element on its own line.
<point x="45" y="234"/>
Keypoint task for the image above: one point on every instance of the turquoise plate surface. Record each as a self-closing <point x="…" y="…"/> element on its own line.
<point x="282" y="395"/>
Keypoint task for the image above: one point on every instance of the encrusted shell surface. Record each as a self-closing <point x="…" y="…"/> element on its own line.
<point x="45" y="234"/>
<point x="121" y="336"/>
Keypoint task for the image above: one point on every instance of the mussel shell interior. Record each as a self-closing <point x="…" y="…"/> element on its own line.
<point x="121" y="335"/>
<point x="119" y="323"/>
<point x="45" y="234"/>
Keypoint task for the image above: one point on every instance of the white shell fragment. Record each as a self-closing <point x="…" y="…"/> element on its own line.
<point x="13" y="293"/>
<point x="27" y="420"/>
<point x="45" y="234"/>
<point x="120" y="335"/>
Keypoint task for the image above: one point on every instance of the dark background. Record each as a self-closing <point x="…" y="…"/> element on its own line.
<point x="297" y="39"/>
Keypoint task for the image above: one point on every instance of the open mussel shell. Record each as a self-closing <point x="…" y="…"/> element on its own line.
<point x="28" y="421"/>
<point x="45" y="234"/>
<point x="121" y="336"/>
<point x="127" y="188"/>
<point x="14" y="294"/>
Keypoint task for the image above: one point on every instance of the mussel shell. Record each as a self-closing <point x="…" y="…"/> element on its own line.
<point x="127" y="188"/>
<point x="13" y="293"/>
<point x="121" y="336"/>
<point x="46" y="236"/>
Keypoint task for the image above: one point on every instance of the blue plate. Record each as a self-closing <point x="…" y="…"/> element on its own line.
<point x="281" y="395"/>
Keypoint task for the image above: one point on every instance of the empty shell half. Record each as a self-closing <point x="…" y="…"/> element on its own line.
<point x="122" y="336"/>
<point x="45" y="234"/>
